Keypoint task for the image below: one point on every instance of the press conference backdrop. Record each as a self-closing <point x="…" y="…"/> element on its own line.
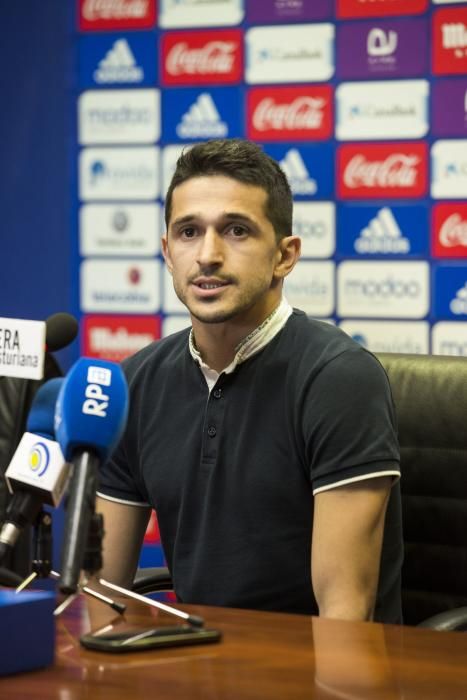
<point x="363" y="103"/>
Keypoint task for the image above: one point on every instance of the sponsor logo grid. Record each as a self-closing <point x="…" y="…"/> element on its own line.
<point x="349" y="96"/>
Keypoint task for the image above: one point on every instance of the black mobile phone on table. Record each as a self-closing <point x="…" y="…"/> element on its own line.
<point x="137" y="639"/>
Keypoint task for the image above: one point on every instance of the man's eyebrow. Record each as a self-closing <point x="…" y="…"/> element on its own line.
<point x="229" y="216"/>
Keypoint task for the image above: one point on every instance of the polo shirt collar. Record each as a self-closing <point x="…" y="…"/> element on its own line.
<point x="249" y="346"/>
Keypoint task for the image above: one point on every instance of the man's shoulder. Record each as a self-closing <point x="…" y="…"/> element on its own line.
<point x="165" y="351"/>
<point x="318" y="337"/>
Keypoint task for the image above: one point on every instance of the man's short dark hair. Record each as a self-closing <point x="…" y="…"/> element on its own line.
<point x="240" y="160"/>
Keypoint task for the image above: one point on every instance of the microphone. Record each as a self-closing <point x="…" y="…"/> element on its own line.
<point x="60" y="330"/>
<point x="37" y="473"/>
<point x="90" y="418"/>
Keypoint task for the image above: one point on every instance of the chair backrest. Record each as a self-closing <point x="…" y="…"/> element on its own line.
<point x="430" y="396"/>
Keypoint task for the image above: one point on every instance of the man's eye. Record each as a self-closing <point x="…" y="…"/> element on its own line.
<point x="188" y="232"/>
<point x="237" y="231"/>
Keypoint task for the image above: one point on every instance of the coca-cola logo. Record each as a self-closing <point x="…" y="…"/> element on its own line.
<point x="397" y="170"/>
<point x="114" y="9"/>
<point x="117" y="14"/>
<point x="303" y="113"/>
<point x="214" y="57"/>
<point x="193" y="58"/>
<point x="453" y="232"/>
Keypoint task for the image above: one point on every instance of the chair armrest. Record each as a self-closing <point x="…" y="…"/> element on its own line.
<point x="449" y="621"/>
<point x="152" y="580"/>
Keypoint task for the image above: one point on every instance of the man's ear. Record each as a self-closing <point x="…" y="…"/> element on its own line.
<point x="288" y="253"/>
<point x="166" y="252"/>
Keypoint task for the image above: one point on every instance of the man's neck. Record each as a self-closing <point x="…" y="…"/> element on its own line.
<point x="217" y="343"/>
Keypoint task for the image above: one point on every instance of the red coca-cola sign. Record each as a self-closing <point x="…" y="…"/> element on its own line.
<point x="290" y="113"/>
<point x="449" y="231"/>
<point x="450" y="41"/>
<point x="379" y="8"/>
<point x="116" y="14"/>
<point x="396" y="170"/>
<point x="200" y="58"/>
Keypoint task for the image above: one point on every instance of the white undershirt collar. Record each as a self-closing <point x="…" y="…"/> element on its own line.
<point x="249" y="346"/>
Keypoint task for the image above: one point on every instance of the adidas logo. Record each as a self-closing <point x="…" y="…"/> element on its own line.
<point x="118" y="65"/>
<point x="382" y="235"/>
<point x="297" y="174"/>
<point x="202" y="120"/>
<point x="458" y="305"/>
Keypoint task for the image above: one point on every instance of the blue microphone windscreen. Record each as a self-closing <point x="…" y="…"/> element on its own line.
<point x="41" y="414"/>
<point x="92" y="408"/>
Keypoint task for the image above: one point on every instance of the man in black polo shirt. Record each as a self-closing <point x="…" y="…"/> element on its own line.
<point x="265" y="441"/>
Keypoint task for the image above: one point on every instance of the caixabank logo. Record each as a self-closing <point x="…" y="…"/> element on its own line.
<point x="199" y="114"/>
<point x="379" y="8"/>
<point x="309" y="168"/>
<point x="98" y="15"/>
<point x="449" y="230"/>
<point x="449" y="169"/>
<point x="382" y="48"/>
<point x="450" y="41"/>
<point x="382" y="171"/>
<point x="202" y="58"/>
<point x="384" y="231"/>
<point x="290" y="113"/>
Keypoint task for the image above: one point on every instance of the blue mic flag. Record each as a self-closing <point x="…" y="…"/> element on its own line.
<point x="42" y="412"/>
<point x="92" y="408"/>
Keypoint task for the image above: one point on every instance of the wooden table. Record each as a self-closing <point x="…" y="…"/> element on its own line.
<point x="262" y="655"/>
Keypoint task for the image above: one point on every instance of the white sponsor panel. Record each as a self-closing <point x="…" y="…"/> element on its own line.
<point x="448" y="2"/>
<point x="171" y="303"/>
<point x="310" y="287"/>
<point x="449" y="338"/>
<point x="129" y="286"/>
<point x="383" y="289"/>
<point x="390" y="336"/>
<point x="382" y="235"/>
<point x="449" y="169"/>
<point x="119" y="173"/>
<point x="315" y="223"/>
<point x="22" y="348"/>
<point x="173" y="324"/>
<point x="202" y="120"/>
<point x="200" y="13"/>
<point x="170" y="155"/>
<point x="386" y="109"/>
<point x="119" y="116"/>
<point x="289" y="53"/>
<point x="122" y="230"/>
<point x="300" y="181"/>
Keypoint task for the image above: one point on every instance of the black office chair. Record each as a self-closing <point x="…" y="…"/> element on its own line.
<point x="430" y="396"/>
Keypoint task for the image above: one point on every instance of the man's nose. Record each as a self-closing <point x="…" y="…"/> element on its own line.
<point x="210" y="251"/>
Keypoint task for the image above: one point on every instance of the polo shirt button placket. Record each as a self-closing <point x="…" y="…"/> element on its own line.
<point x="217" y="393"/>
<point x="212" y="432"/>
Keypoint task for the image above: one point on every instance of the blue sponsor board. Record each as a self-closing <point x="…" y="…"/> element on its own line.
<point x="384" y="231"/>
<point x="197" y="114"/>
<point x="450" y="292"/>
<point x="117" y="60"/>
<point x="309" y="168"/>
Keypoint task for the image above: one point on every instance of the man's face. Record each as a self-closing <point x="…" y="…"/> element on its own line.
<point x="221" y="250"/>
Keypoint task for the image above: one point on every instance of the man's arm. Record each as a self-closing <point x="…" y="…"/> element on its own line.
<point x="124" y="528"/>
<point x="348" y="526"/>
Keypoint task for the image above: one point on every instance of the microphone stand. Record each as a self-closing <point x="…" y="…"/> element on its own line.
<point x="42" y="560"/>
